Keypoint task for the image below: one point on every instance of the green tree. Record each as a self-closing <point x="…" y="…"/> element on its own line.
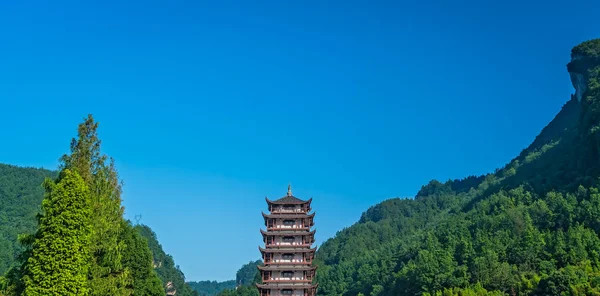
<point x="138" y="259"/>
<point x="240" y="291"/>
<point x="107" y="275"/>
<point x="60" y="253"/>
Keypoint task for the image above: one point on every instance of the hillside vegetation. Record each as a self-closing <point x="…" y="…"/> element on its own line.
<point x="243" y="285"/>
<point x="21" y="194"/>
<point x="73" y="221"/>
<point x="164" y="264"/>
<point x="246" y="277"/>
<point x="211" y="288"/>
<point x="529" y="228"/>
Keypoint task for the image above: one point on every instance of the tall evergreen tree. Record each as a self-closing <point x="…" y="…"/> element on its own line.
<point x="59" y="260"/>
<point x="107" y="275"/>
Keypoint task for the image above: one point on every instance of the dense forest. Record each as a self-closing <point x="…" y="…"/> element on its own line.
<point x="21" y="194"/>
<point x="245" y="278"/>
<point x="212" y="288"/>
<point x="529" y="228"/>
<point x="79" y="206"/>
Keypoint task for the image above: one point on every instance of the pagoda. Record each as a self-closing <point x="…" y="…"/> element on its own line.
<point x="288" y="255"/>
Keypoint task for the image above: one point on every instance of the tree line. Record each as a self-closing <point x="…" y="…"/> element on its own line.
<point x="82" y="244"/>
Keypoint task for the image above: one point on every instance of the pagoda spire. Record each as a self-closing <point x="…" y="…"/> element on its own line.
<point x="289" y="193"/>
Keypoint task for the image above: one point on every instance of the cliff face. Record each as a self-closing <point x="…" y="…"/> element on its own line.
<point x="578" y="76"/>
<point x="585" y="75"/>
<point x="585" y="58"/>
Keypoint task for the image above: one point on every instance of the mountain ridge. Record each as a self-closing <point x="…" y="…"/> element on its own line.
<point x="502" y="233"/>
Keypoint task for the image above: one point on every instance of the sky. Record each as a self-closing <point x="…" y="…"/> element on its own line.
<point x="209" y="106"/>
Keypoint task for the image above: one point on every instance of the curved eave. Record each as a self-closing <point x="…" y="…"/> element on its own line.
<point x="299" y="250"/>
<point x="275" y="202"/>
<point x="284" y="286"/>
<point x="268" y="201"/>
<point x="303" y="268"/>
<point x="290" y="216"/>
<point x="290" y="233"/>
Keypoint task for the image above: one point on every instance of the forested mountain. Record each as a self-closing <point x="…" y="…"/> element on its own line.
<point x="529" y="228"/>
<point x="164" y="264"/>
<point x="21" y="194"/>
<point x="247" y="274"/>
<point x="211" y="288"/>
<point x="246" y="277"/>
<point x="42" y="211"/>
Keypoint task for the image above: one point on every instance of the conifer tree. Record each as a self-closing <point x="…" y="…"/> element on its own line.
<point x="119" y="260"/>
<point x="107" y="275"/>
<point x="59" y="257"/>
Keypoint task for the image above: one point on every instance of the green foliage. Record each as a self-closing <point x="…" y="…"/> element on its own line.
<point x="530" y="228"/>
<point x="119" y="259"/>
<point x="476" y="290"/>
<point x="240" y="291"/>
<point x="164" y="264"/>
<point x="246" y="275"/>
<point x="590" y="48"/>
<point x="21" y="195"/>
<point x="107" y="276"/>
<point x="60" y="252"/>
<point x="137" y="258"/>
<point x="211" y="288"/>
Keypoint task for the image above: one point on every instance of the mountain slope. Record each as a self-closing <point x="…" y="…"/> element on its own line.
<point x="164" y="264"/>
<point x="530" y="228"/>
<point x="211" y="288"/>
<point x="245" y="278"/>
<point x="21" y="196"/>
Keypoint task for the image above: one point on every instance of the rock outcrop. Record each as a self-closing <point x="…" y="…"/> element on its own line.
<point x="584" y="59"/>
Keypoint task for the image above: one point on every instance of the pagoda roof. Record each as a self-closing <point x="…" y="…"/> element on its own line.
<point x="292" y="250"/>
<point x="286" y="286"/>
<point x="284" y="268"/>
<point x="297" y="215"/>
<point x="291" y="231"/>
<point x="288" y="199"/>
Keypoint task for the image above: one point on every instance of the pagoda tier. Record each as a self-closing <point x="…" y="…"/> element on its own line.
<point x="289" y="221"/>
<point x="288" y="250"/>
<point x="288" y="232"/>
<point x="287" y="254"/>
<point x="287" y="286"/>
<point x="282" y="268"/>
<point x="289" y="216"/>
<point x="278" y="241"/>
<point x="289" y="204"/>
<point x="279" y="289"/>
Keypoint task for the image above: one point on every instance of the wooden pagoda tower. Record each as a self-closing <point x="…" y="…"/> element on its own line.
<point x="288" y="255"/>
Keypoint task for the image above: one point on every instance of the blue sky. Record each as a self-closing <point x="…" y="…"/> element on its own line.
<point x="208" y="107"/>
